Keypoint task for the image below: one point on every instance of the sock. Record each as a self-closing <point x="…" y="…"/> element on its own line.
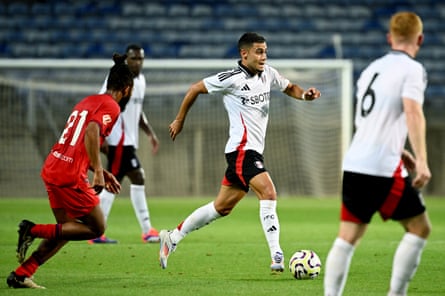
<point x="29" y="266"/>
<point x="138" y="199"/>
<point x="106" y="202"/>
<point x="271" y="225"/>
<point x="405" y="262"/>
<point x="48" y="231"/>
<point x="337" y="267"/>
<point x="199" y="218"/>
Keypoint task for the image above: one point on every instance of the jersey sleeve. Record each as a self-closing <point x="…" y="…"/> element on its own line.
<point x="106" y="116"/>
<point x="218" y="82"/>
<point x="415" y="83"/>
<point x="277" y="80"/>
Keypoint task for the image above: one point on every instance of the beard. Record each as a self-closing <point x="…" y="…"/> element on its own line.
<point x="123" y="102"/>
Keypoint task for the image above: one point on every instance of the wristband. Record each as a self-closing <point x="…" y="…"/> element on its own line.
<point x="303" y="96"/>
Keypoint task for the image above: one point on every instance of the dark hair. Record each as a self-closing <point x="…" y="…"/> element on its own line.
<point x="120" y="75"/>
<point x="249" y="38"/>
<point x="133" y="46"/>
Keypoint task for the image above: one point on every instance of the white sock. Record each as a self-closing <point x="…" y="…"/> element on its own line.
<point x="337" y="267"/>
<point x="106" y="202"/>
<point x="138" y="199"/>
<point x="405" y="262"/>
<point x="271" y="225"/>
<point x="199" y="218"/>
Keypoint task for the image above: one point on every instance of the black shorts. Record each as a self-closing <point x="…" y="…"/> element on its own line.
<point x="121" y="160"/>
<point x="394" y="198"/>
<point x="242" y="166"/>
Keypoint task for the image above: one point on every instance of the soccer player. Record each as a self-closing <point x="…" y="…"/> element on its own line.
<point x="246" y="95"/>
<point x="121" y="146"/>
<point x="390" y="94"/>
<point x="73" y="200"/>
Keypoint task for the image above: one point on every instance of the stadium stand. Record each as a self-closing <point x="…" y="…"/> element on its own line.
<point x="207" y="29"/>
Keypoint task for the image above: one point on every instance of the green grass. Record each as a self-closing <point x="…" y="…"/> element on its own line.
<point x="228" y="257"/>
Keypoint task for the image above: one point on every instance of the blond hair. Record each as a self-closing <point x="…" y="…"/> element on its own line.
<point x="405" y="26"/>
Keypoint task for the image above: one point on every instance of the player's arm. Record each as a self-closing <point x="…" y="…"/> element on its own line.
<point x="145" y="125"/>
<point x="295" y="91"/>
<point x="416" y="123"/>
<point x="92" y="145"/>
<point x="189" y="98"/>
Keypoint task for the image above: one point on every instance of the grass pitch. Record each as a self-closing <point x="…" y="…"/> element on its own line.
<point x="228" y="257"/>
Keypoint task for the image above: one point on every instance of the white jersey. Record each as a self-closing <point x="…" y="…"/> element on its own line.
<point x="130" y="116"/>
<point x="381" y="128"/>
<point x="246" y="99"/>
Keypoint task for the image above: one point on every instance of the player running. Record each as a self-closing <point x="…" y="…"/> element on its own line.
<point x="246" y="94"/>
<point x="73" y="200"/>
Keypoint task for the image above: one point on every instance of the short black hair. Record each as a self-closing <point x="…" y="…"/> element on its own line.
<point x="120" y="75"/>
<point x="133" y="46"/>
<point x="249" y="38"/>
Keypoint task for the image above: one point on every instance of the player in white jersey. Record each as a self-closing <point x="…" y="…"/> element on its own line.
<point x="390" y="95"/>
<point x="121" y="148"/>
<point x="246" y="94"/>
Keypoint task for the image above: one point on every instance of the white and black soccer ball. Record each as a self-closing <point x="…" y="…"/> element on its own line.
<point x="305" y="264"/>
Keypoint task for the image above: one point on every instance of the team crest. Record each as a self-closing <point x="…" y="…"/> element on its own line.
<point x="259" y="164"/>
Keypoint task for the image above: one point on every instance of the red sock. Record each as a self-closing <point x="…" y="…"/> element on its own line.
<point x="48" y="231"/>
<point x="29" y="267"/>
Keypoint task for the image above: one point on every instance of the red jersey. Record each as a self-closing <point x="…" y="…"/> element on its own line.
<point x="67" y="164"/>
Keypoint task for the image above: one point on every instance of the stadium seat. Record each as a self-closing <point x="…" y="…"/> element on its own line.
<point x="178" y="29"/>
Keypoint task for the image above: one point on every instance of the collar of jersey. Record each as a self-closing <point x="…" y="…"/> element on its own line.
<point x="247" y="71"/>
<point x="394" y="51"/>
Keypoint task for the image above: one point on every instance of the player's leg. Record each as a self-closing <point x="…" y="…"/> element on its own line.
<point x="226" y="200"/>
<point x="408" y="254"/>
<point x="139" y="200"/>
<point x="22" y="276"/>
<point x="114" y="158"/>
<point x="264" y="188"/>
<point x="340" y="255"/>
<point x="410" y="211"/>
<point x="106" y="202"/>
<point x="360" y="200"/>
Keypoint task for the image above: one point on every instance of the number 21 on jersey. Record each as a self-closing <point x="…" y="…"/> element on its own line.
<point x="76" y="120"/>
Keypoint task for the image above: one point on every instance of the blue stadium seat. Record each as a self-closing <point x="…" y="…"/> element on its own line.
<point x="17" y="8"/>
<point x="209" y="29"/>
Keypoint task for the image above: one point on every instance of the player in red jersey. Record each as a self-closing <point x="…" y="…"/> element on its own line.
<point x="73" y="199"/>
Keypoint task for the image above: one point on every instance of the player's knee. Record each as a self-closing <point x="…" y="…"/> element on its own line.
<point x="223" y="211"/>
<point x="426" y="230"/>
<point x="137" y="177"/>
<point x="420" y="226"/>
<point x="98" y="230"/>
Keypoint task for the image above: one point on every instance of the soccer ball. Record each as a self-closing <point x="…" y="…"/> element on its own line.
<point x="305" y="264"/>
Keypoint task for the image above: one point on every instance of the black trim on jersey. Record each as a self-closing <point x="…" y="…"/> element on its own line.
<point x="247" y="70"/>
<point x="224" y="75"/>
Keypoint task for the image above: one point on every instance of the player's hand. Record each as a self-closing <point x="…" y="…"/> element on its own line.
<point x="311" y="94"/>
<point x="423" y="174"/>
<point x="111" y="183"/>
<point x="175" y="128"/>
<point x="98" y="181"/>
<point x="154" y="144"/>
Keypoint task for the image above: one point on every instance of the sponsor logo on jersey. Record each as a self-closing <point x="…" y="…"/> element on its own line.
<point x="256" y="99"/>
<point x="106" y="119"/>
